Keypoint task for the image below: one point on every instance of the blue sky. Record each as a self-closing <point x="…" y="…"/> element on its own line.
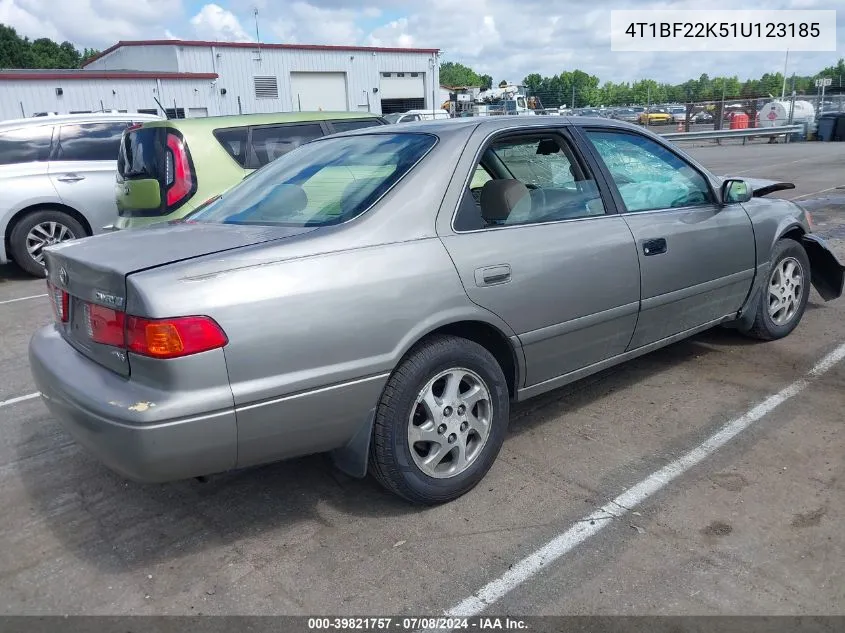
<point x="504" y="38"/>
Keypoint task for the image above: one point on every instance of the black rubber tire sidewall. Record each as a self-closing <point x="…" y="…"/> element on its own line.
<point x="17" y="239"/>
<point x="764" y="328"/>
<point x="390" y="456"/>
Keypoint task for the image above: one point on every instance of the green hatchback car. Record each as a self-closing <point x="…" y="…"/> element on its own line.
<point x="168" y="168"/>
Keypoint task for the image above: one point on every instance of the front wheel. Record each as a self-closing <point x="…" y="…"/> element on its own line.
<point x="785" y="294"/>
<point x="37" y="230"/>
<point x="441" y="421"/>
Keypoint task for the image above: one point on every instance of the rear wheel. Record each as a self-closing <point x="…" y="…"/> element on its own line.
<point x="785" y="294"/>
<point x="37" y="230"/>
<point x="441" y="421"/>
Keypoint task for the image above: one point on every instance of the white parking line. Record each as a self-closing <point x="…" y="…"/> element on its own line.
<point x="814" y="193"/>
<point x="602" y="517"/>
<point x="29" y="396"/>
<point x="22" y="299"/>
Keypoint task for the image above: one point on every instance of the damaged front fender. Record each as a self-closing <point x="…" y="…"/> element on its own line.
<point x="827" y="273"/>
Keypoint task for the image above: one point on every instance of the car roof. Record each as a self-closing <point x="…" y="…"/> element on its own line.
<point x="88" y="117"/>
<point x="493" y="123"/>
<point x="241" y="120"/>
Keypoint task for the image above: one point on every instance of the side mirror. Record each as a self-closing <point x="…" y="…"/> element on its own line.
<point x="735" y="190"/>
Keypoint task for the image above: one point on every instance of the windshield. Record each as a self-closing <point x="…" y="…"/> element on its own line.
<point x="324" y="182"/>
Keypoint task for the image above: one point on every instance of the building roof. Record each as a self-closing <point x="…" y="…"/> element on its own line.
<point x="254" y="45"/>
<point x="61" y="73"/>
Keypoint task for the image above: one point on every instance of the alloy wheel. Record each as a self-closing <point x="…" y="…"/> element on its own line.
<point x="450" y="423"/>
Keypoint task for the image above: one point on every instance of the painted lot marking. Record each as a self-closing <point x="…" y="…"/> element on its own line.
<point x="593" y="523"/>
<point x="29" y="396"/>
<point x="22" y="299"/>
<point x="814" y="193"/>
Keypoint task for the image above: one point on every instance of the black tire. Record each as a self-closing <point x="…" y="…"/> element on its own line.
<point x="764" y="328"/>
<point x="17" y="240"/>
<point x="391" y="462"/>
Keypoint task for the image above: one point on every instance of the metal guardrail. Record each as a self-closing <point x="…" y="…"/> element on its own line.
<point x="742" y="133"/>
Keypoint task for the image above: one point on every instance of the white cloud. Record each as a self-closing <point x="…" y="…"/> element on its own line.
<point x="213" y="22"/>
<point x="89" y="22"/>
<point x="507" y="39"/>
<point x="304" y="23"/>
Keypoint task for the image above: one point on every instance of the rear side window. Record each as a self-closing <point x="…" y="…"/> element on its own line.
<point x="325" y="182"/>
<point x="354" y="124"/>
<point x="27" y="145"/>
<point x="270" y="142"/>
<point x="138" y="157"/>
<point x="90" y="141"/>
<point x="234" y="141"/>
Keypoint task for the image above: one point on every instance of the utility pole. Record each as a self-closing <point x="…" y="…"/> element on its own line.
<point x="573" y="96"/>
<point x="257" y="35"/>
<point x="783" y="90"/>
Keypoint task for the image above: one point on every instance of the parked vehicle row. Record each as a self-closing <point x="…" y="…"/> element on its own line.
<point x="58" y="173"/>
<point x="385" y="294"/>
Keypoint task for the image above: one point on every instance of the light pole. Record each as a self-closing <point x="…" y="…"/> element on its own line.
<point x="433" y="84"/>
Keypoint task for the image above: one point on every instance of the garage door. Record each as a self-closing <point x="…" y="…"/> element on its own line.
<point x="318" y="91"/>
<point x="401" y="91"/>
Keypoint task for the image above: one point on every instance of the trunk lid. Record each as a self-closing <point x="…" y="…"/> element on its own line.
<point x="93" y="271"/>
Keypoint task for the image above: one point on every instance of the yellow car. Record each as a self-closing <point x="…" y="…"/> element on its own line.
<point x="655" y="117"/>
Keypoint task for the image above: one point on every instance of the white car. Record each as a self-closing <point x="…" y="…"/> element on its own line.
<point x="416" y="115"/>
<point x="57" y="176"/>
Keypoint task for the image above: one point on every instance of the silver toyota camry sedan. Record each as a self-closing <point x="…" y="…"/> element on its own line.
<point x="384" y="295"/>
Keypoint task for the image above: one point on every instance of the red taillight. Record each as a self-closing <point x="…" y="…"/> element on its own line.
<point x="172" y="338"/>
<point x="60" y="301"/>
<point x="105" y="325"/>
<point x="157" y="338"/>
<point x="179" y="179"/>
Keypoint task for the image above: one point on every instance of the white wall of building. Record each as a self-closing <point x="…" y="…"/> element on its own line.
<point x="161" y="58"/>
<point x="31" y="96"/>
<point x="237" y="67"/>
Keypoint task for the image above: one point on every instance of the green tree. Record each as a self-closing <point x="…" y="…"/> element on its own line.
<point x="455" y="74"/>
<point x="486" y="82"/>
<point x="20" y="52"/>
<point x="15" y="51"/>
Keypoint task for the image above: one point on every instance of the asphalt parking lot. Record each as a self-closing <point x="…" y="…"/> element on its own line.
<point x="753" y="527"/>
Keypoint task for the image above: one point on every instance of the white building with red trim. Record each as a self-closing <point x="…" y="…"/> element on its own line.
<point x="194" y="78"/>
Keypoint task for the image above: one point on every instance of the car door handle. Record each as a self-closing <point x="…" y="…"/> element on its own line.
<point x="70" y="178"/>
<point x="492" y="275"/>
<point x="655" y="246"/>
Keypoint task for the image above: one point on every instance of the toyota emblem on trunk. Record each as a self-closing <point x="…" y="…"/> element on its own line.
<point x="63" y="276"/>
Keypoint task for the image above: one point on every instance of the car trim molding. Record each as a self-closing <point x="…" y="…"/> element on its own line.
<point x="553" y="383"/>
<point x="691" y="291"/>
<point x="579" y="323"/>
<point x="311" y="392"/>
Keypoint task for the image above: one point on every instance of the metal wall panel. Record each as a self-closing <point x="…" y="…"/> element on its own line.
<point x="236" y="68"/>
<point x="24" y="98"/>
<point x="161" y="58"/>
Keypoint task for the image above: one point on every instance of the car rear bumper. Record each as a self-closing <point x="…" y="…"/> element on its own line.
<point x="111" y="417"/>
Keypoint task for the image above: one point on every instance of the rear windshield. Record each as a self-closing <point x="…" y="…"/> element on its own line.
<point x="138" y="157"/>
<point x="324" y="182"/>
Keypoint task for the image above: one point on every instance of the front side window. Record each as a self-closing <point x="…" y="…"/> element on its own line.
<point x="26" y="145"/>
<point x="321" y="183"/>
<point x="90" y="141"/>
<point x="526" y="180"/>
<point x="270" y="142"/>
<point x="648" y="175"/>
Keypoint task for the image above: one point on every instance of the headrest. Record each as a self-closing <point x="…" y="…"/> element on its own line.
<point x="357" y="191"/>
<point x="500" y="197"/>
